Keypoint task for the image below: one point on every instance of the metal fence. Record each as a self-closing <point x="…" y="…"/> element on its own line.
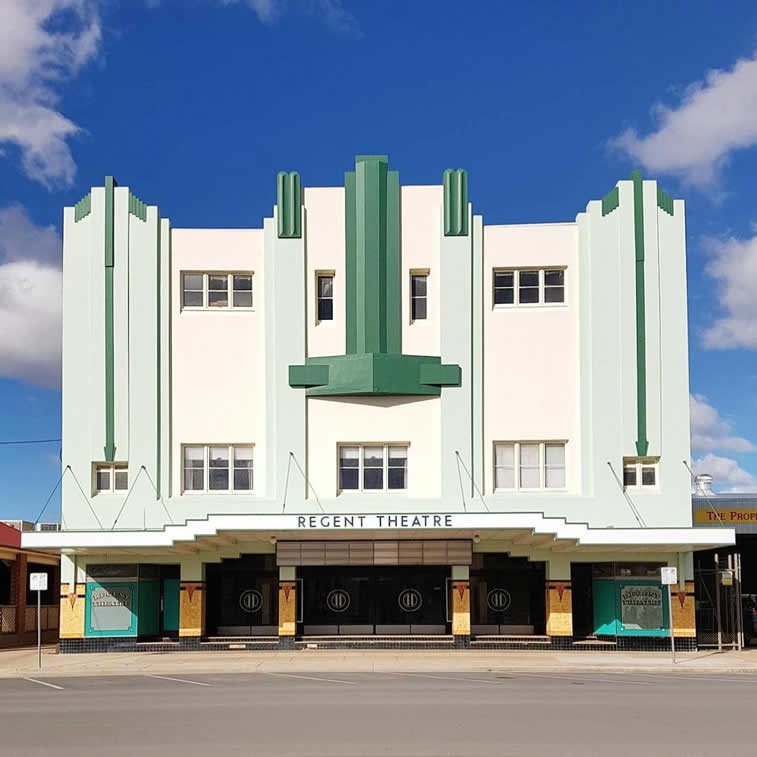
<point x="718" y="605"/>
<point x="7" y="619"/>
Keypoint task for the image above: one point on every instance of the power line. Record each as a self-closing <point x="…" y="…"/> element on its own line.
<point x="31" y="441"/>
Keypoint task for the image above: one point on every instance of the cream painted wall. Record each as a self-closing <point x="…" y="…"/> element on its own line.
<point x="404" y="420"/>
<point x="531" y="352"/>
<point x="218" y="371"/>
<point x="324" y="252"/>
<point x="420" y="212"/>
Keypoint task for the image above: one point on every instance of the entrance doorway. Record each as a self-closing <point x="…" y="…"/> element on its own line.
<point x="374" y="600"/>
<point x="243" y="597"/>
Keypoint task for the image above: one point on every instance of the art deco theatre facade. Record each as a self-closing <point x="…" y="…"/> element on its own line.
<point x="375" y="420"/>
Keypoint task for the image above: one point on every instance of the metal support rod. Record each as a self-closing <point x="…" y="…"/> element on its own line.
<point x="39" y="628"/>
<point x="672" y="636"/>
<point x="739" y="607"/>
<point x="717" y="603"/>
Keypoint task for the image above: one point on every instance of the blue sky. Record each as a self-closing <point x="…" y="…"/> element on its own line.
<point x="196" y="104"/>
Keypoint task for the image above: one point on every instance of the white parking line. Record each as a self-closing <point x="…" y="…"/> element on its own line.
<point x="44" y="683"/>
<point x="577" y="677"/>
<point x="310" y="678"/>
<point x="446" y="678"/>
<point x="178" y="680"/>
<point x="687" y="676"/>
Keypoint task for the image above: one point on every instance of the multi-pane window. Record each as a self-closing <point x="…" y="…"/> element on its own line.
<point x="325" y="286"/>
<point x="372" y="467"/>
<point x="529" y="465"/>
<point x="418" y="296"/>
<point x="111" y="477"/>
<point x="639" y="472"/>
<point x="534" y="286"/>
<point x="218" y="468"/>
<point x="216" y="290"/>
<point x="504" y="287"/>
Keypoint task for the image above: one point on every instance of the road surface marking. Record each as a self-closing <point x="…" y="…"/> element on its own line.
<point x="446" y="678"/>
<point x="178" y="680"/>
<point x="687" y="676"/>
<point x="310" y="678"/>
<point x="577" y="677"/>
<point x="44" y="683"/>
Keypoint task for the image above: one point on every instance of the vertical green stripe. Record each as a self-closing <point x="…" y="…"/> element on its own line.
<point x="372" y="208"/>
<point x="350" y="267"/>
<point x="110" y="446"/>
<point x="642" y="444"/>
<point x="393" y="297"/>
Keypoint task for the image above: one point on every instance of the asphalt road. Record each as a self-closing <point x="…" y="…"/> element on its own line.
<point x="495" y="714"/>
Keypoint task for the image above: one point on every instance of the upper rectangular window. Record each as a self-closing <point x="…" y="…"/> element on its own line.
<point x="418" y="296"/>
<point x="221" y="291"/>
<point x="372" y="467"/>
<point x="218" y="468"/>
<point x="531" y="286"/>
<point x="640" y="472"/>
<point x="111" y="477"/>
<point x="528" y="466"/>
<point x="325" y="287"/>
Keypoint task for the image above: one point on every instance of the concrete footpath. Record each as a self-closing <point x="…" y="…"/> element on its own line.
<point x="23" y="662"/>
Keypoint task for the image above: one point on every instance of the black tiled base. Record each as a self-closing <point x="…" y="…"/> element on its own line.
<point x="554" y="643"/>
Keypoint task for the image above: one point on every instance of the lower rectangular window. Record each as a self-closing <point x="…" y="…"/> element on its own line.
<point x="372" y="467"/>
<point x="526" y="466"/>
<point x="111" y="477"/>
<point x="640" y="472"/>
<point x="218" y="468"/>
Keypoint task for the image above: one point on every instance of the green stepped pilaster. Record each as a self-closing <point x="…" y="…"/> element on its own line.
<point x="289" y="204"/>
<point x="110" y="446"/>
<point x="374" y="363"/>
<point x="642" y="443"/>
<point x="455" y="203"/>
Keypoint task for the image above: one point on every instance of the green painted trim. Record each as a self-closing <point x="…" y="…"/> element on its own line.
<point x="372" y="257"/>
<point x="83" y="208"/>
<point x="610" y="201"/>
<point x="374" y="374"/>
<point x="664" y="201"/>
<point x="289" y="203"/>
<point x="110" y="446"/>
<point x="373" y="363"/>
<point x="456" y="203"/>
<point x="642" y="443"/>
<point x="93" y="586"/>
<point x="350" y="264"/>
<point x="137" y="207"/>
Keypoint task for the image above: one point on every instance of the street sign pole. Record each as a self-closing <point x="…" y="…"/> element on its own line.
<point x="38" y="583"/>
<point x="39" y="628"/>
<point x="669" y="576"/>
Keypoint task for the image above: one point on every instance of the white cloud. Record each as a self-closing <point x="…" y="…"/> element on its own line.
<point x="43" y="42"/>
<point x="725" y="472"/>
<point x="733" y="266"/>
<point x="694" y="139"/>
<point x="21" y="240"/>
<point x="30" y="299"/>
<point x="711" y="432"/>
<point x="332" y="12"/>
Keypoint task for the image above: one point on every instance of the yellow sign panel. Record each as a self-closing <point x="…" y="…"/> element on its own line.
<point x="730" y="516"/>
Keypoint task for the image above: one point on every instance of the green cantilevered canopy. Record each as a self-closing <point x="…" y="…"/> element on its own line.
<point x="374" y="363"/>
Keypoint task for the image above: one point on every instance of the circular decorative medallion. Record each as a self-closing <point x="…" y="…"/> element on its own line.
<point x="410" y="600"/>
<point x="251" y="600"/>
<point x="498" y="600"/>
<point x="338" y="600"/>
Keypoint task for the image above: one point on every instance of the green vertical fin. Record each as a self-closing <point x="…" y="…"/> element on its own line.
<point x="137" y="207"/>
<point x="83" y="208"/>
<point x="455" y="203"/>
<point x="664" y="201"/>
<point x="289" y="202"/>
<point x="110" y="446"/>
<point x="642" y="443"/>
<point x="610" y="201"/>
